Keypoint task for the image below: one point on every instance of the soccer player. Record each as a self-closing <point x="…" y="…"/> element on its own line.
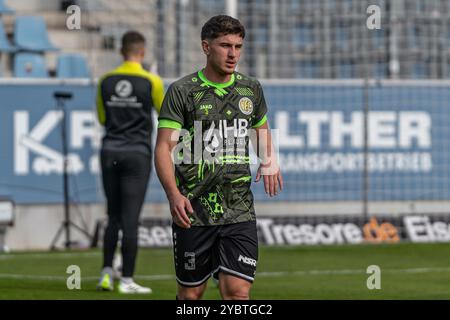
<point x="214" y="110"/>
<point x="125" y="100"/>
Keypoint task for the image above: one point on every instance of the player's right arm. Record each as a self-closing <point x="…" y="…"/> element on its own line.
<point x="179" y="204"/>
<point x="171" y="120"/>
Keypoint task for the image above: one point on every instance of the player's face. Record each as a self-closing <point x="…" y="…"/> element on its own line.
<point x="223" y="53"/>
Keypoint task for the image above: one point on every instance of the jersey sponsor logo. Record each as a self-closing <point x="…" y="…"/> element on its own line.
<point x="123" y="97"/>
<point x="217" y="138"/>
<point x="247" y="260"/>
<point x="214" y="142"/>
<point x="124" y="88"/>
<point x="238" y="129"/>
<point x="246" y="106"/>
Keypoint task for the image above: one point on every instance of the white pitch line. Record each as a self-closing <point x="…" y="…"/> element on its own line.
<point x="158" y="277"/>
<point x="349" y="271"/>
<point x="30" y="277"/>
<point x="89" y="278"/>
<point x="49" y="256"/>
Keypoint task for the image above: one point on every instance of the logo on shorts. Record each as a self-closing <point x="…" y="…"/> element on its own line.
<point x="124" y="88"/>
<point x="246" y="105"/>
<point x="247" y="260"/>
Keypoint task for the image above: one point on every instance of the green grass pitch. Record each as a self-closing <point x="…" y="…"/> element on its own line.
<point x="408" y="271"/>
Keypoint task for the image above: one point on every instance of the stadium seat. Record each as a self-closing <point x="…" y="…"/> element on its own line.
<point x="72" y="66"/>
<point x="307" y="70"/>
<point x="345" y="71"/>
<point x="30" y="65"/>
<point x="5" y="46"/>
<point x="380" y="70"/>
<point x="303" y="37"/>
<point x="420" y="70"/>
<point x="4" y="8"/>
<point x="31" y="34"/>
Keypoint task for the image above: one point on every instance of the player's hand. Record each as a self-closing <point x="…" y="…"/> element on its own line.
<point x="179" y="205"/>
<point x="273" y="180"/>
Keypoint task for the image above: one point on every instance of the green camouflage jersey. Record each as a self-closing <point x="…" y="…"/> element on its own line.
<point x="212" y="168"/>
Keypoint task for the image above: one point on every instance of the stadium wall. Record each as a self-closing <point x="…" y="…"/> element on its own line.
<point x="36" y="225"/>
<point x="328" y="165"/>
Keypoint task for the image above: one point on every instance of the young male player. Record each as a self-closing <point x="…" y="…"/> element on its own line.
<point x="214" y="110"/>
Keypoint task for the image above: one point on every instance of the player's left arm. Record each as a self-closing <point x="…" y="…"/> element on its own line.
<point x="268" y="169"/>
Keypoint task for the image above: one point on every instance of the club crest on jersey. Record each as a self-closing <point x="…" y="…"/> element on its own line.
<point x="246" y="106"/>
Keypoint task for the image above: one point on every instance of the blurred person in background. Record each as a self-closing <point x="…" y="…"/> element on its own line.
<point x="125" y="99"/>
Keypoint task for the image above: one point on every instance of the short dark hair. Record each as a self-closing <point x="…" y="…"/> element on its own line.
<point x="222" y="25"/>
<point x="132" y="41"/>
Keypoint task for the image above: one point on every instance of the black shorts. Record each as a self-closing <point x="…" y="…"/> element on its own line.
<point x="200" y="252"/>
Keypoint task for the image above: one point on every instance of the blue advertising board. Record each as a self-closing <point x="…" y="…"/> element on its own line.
<point x="318" y="127"/>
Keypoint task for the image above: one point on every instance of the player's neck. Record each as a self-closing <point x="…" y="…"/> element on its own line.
<point x="133" y="59"/>
<point x="214" y="76"/>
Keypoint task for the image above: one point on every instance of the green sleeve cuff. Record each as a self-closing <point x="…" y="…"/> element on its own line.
<point x="260" y="122"/>
<point x="171" y="124"/>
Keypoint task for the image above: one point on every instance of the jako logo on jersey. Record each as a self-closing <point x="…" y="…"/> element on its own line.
<point x="124" y="88"/>
<point x="246" y="105"/>
<point x="205" y="108"/>
<point x="247" y="260"/>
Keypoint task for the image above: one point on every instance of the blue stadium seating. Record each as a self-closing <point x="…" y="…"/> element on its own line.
<point x="345" y="70"/>
<point x="4" y="8"/>
<point x="72" y="66"/>
<point x="380" y="71"/>
<point x="31" y="34"/>
<point x="419" y="70"/>
<point x="5" y="46"/>
<point x="307" y="70"/>
<point x="30" y="65"/>
<point x="303" y="36"/>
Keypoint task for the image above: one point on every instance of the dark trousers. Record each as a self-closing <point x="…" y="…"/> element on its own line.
<point x="125" y="178"/>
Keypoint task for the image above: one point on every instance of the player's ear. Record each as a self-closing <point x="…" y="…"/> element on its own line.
<point x="205" y="47"/>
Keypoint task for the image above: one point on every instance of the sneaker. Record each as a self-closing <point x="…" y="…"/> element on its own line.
<point x="133" y="287"/>
<point x="106" y="282"/>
